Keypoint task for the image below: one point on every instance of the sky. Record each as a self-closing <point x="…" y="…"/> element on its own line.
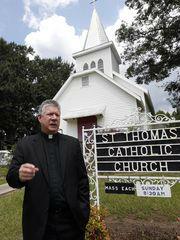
<point x="59" y="27"/>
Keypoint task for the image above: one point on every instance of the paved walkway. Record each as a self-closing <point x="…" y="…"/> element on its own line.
<point x="4" y="188"/>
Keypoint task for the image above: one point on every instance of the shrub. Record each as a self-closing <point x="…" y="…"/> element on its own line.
<point x="96" y="228"/>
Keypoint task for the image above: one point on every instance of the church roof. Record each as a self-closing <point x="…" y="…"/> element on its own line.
<point x="96" y="34"/>
<point x="97" y="48"/>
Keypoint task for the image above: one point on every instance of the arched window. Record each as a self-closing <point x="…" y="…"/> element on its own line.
<point x="85" y="67"/>
<point x="93" y="65"/>
<point x="101" y="65"/>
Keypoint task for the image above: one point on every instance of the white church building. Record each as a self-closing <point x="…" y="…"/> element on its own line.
<point x="97" y="94"/>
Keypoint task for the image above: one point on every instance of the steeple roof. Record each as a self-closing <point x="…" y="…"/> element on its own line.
<point x="96" y="34"/>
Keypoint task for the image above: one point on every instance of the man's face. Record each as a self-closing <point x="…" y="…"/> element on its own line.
<point x="50" y="119"/>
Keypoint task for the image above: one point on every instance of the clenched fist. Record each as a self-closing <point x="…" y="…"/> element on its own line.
<point x="27" y="171"/>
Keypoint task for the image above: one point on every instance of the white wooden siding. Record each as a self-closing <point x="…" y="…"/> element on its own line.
<point x="118" y="103"/>
<point x="104" y="54"/>
<point x="115" y="65"/>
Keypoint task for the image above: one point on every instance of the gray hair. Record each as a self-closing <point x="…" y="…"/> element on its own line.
<point x="49" y="102"/>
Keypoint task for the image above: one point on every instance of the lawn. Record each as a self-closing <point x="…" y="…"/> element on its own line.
<point x="119" y="205"/>
<point x="3" y="172"/>
<point x="142" y="207"/>
<point x="10" y="216"/>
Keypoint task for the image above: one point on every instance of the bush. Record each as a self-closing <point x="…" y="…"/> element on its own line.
<point x="96" y="228"/>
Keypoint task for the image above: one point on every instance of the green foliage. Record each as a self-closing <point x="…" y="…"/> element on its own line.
<point x="152" y="43"/>
<point x="24" y="84"/>
<point x="49" y="75"/>
<point x="16" y="97"/>
<point x="96" y="228"/>
<point x="173" y="88"/>
<point x="161" y="112"/>
<point x="174" y="115"/>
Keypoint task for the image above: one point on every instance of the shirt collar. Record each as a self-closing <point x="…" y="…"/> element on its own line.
<point x="49" y="136"/>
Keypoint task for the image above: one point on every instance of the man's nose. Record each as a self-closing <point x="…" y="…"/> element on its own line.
<point x="53" y="116"/>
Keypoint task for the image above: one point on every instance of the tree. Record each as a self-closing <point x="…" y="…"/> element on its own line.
<point x="24" y="84"/>
<point x="153" y="43"/>
<point x="161" y="112"/>
<point x="49" y="75"/>
<point x="176" y="115"/>
<point x="16" y="96"/>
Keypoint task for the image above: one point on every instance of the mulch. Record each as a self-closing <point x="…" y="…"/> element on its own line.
<point x="133" y="229"/>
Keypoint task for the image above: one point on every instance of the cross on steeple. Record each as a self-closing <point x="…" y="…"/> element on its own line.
<point x="93" y="2"/>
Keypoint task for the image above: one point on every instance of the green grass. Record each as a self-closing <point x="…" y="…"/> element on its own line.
<point x="120" y="205"/>
<point x="3" y="172"/>
<point x="123" y="205"/>
<point x="2" y="181"/>
<point x="10" y="216"/>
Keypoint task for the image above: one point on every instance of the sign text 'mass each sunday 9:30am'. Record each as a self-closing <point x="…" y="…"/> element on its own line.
<point x="153" y="150"/>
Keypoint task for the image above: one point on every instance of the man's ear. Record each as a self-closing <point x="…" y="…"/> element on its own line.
<point x="39" y="118"/>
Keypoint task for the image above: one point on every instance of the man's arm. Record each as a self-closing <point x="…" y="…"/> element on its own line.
<point x="19" y="171"/>
<point x="13" y="172"/>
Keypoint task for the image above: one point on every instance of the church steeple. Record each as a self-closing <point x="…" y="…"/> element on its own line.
<point x="98" y="53"/>
<point x="96" y="34"/>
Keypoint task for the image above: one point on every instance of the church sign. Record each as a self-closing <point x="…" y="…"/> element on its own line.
<point x="153" y="150"/>
<point x="142" y="144"/>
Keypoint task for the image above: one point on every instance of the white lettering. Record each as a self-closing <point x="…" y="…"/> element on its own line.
<point x="145" y="135"/>
<point x="144" y="150"/>
<point x="126" y="166"/>
<point x="163" y="166"/>
<point x="117" y="167"/>
<point x="135" y="136"/>
<point x="119" y="153"/>
<point x="141" y="166"/>
<point x="164" y="134"/>
<point x="111" y="151"/>
<point x="104" y="139"/>
<point x="144" y="166"/>
<point x="134" y="151"/>
<point x="126" y="151"/>
<point x="112" y="137"/>
<point x="135" y="167"/>
<point x="155" y="166"/>
<point x="166" y="149"/>
<point x="173" y="131"/>
<point x="154" y="134"/>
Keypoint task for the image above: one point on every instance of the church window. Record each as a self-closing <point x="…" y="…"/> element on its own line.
<point x="85" y="81"/>
<point x="85" y="67"/>
<point x="93" y="65"/>
<point x="101" y="65"/>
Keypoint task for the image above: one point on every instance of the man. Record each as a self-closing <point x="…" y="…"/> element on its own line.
<point x="50" y="166"/>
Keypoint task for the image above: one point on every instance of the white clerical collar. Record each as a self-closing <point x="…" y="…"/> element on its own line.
<point x="50" y="136"/>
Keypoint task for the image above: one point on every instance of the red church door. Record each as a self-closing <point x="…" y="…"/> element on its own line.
<point x="87" y="122"/>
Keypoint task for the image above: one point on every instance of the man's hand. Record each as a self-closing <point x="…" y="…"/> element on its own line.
<point x="27" y="171"/>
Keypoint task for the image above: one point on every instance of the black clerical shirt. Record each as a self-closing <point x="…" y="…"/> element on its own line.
<point x="51" y="146"/>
